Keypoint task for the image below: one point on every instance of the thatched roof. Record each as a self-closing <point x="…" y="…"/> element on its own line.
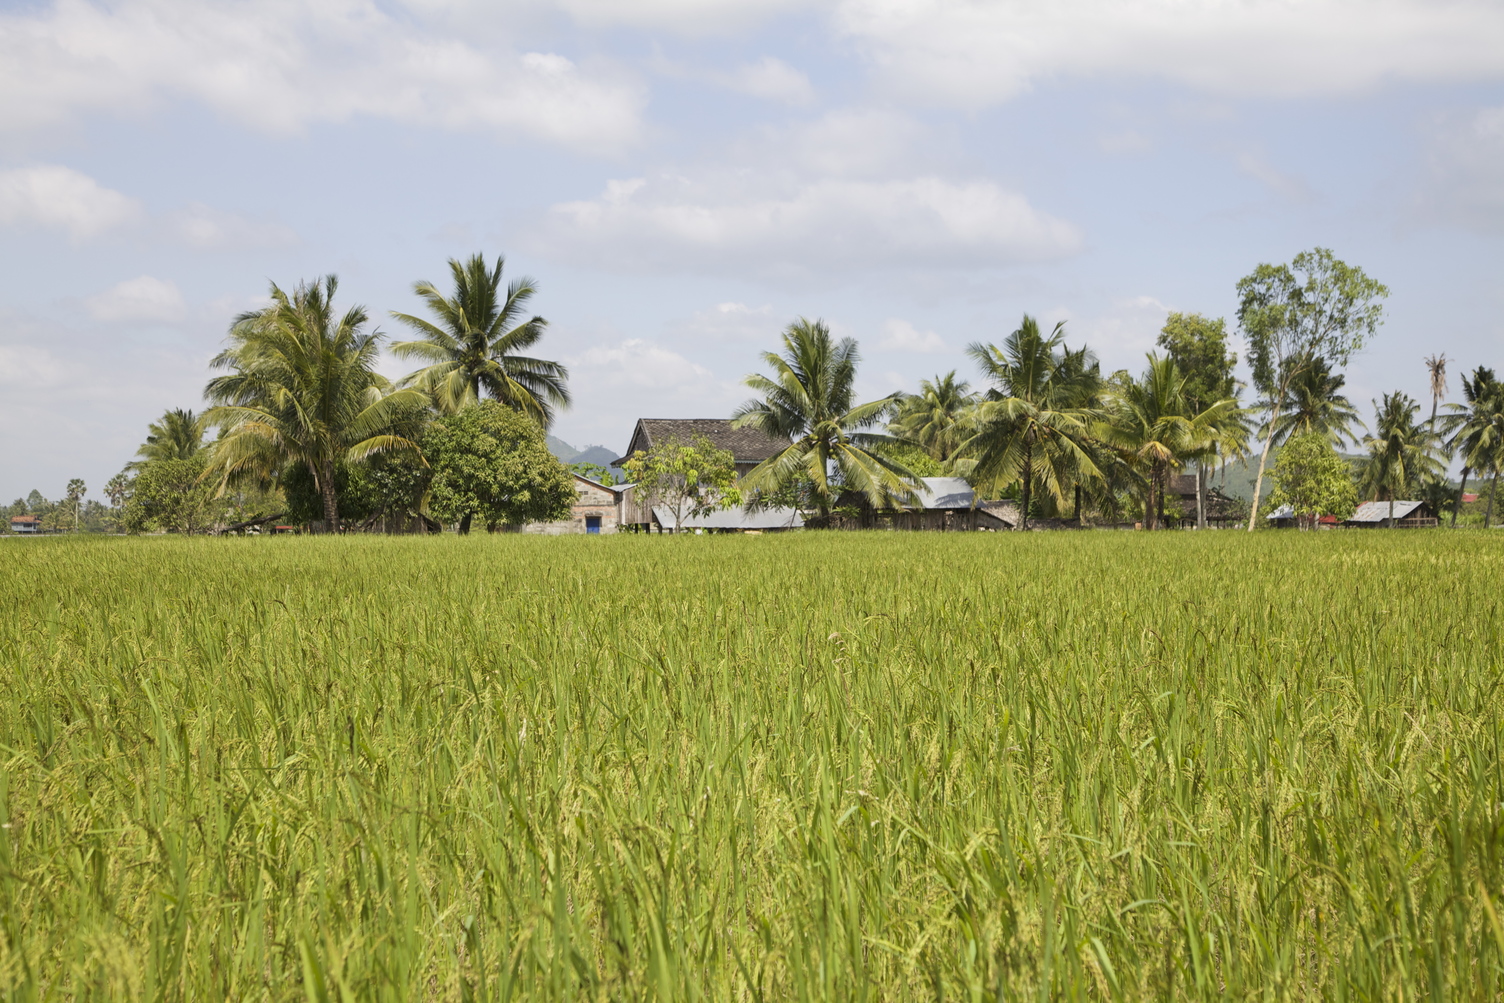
<point x="746" y="445"/>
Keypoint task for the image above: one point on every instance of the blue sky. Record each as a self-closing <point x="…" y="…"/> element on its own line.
<point x="684" y="177"/>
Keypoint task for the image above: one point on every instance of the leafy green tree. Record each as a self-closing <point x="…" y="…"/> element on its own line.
<point x="1476" y="428"/>
<point x="1198" y="347"/>
<point x="1314" y="403"/>
<point x="177" y="435"/>
<point x="491" y="463"/>
<point x="1313" y="480"/>
<point x="935" y="418"/>
<point x="118" y="489"/>
<point x="36" y="504"/>
<point x="1157" y="428"/>
<point x="171" y="495"/>
<point x="1401" y="453"/>
<point x="1033" y="426"/>
<point x="472" y="347"/>
<point x="594" y="472"/>
<point x="76" y="492"/>
<point x="690" y="479"/>
<point x="1315" y="307"/>
<point x="303" y="388"/>
<point x="809" y="403"/>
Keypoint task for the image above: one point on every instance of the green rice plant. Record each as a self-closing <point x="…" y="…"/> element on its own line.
<point x="809" y="767"/>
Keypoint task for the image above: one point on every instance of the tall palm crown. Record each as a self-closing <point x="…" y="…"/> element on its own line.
<point x="1476" y="430"/>
<point x="471" y="347"/>
<point x="177" y="435"/>
<point x="1401" y="453"/>
<point x="303" y="388"/>
<point x="1314" y="403"/>
<point x="934" y="419"/>
<point x="808" y="401"/>
<point x="1436" y="368"/>
<point x="1034" y="424"/>
<point x="1156" y="426"/>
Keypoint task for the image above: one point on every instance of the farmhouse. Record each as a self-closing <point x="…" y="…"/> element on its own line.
<point x="25" y="524"/>
<point x="1407" y="515"/>
<point x="1221" y="510"/>
<point x="747" y="446"/>
<point x="949" y="504"/>
<point x="598" y="510"/>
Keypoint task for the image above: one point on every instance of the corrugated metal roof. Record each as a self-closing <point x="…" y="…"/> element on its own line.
<point x="945" y="493"/>
<point x="1378" y="511"/>
<point x="773" y="518"/>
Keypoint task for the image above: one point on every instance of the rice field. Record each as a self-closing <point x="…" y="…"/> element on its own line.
<point x="1105" y="766"/>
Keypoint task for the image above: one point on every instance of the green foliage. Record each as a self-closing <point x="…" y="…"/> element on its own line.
<point x="491" y="463"/>
<point x="1314" y="403"/>
<point x="804" y="767"/>
<point x="936" y="421"/>
<point x="1033" y="425"/>
<point x="690" y="479"/>
<point x="1313" y="479"/>
<point x="1402" y="453"/>
<point x="594" y="472"/>
<point x="302" y="388"/>
<point x="810" y="402"/>
<point x="1198" y="347"/>
<point x="172" y="496"/>
<point x="474" y="345"/>
<point x="177" y="435"/>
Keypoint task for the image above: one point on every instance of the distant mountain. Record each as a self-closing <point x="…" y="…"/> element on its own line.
<point x="563" y="450"/>
<point x="595" y="454"/>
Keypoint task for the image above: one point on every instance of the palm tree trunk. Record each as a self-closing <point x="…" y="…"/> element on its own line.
<point x="1390" y="520"/>
<point x="1258" y="482"/>
<point x="1078" y="503"/>
<point x="1200" y="495"/>
<point x="1460" y="492"/>
<point x="1023" y="510"/>
<point x="1488" y="513"/>
<point x="325" y="478"/>
<point x="464" y="528"/>
<point x="1159" y="498"/>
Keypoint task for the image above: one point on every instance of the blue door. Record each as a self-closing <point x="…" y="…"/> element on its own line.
<point x="593" y="524"/>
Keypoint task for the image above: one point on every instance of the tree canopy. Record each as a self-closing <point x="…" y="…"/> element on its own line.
<point x="491" y="464"/>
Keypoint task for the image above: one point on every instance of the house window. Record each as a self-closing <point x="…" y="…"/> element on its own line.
<point x="592" y="524"/>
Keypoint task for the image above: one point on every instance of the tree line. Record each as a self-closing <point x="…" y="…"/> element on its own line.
<point x="304" y="429"/>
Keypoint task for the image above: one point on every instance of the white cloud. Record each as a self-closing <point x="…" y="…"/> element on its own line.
<point x="60" y="197"/>
<point x="640" y="365"/>
<point x="1287" y="185"/>
<point x="29" y="367"/>
<point x="803" y="228"/>
<point x="283" y="65"/>
<point x="732" y="322"/>
<point x="902" y="336"/>
<point x="140" y="299"/>
<point x="683" y="16"/>
<point x="772" y="79"/>
<point x="205" y="227"/>
<point x="1466" y="166"/>
<point x="1120" y="335"/>
<point x="973" y="54"/>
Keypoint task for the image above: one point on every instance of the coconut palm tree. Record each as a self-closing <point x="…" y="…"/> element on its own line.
<point x="177" y="435"/>
<point x="808" y="401"/>
<point x="934" y="419"/>
<point x="1033" y="426"/>
<point x="1401" y="453"/>
<point x="1314" y="403"/>
<point x="471" y="346"/>
<point x="302" y="388"/>
<point x="1436" y="367"/>
<point x="1476" y="428"/>
<point x="1153" y="424"/>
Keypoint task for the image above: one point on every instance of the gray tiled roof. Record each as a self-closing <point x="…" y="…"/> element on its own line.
<point x="747" y="445"/>
<point x="1378" y="511"/>
<point x="945" y="492"/>
<point x="734" y="518"/>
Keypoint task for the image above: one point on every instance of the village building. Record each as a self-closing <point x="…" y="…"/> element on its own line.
<point x="25" y="524"/>
<point x="747" y="446"/>
<point x="1407" y="515"/>
<point x="949" y="504"/>
<point x="1369" y="515"/>
<point x="599" y="509"/>
<point x="1221" y="510"/>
